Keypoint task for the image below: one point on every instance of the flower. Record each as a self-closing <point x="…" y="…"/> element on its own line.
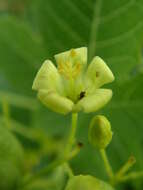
<point x="72" y="86"/>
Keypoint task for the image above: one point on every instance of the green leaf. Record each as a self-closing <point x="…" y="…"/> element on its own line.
<point x="111" y="30"/>
<point x="21" y="53"/>
<point x="127" y="109"/>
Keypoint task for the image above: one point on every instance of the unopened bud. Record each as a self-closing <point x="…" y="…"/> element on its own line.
<point x="100" y="133"/>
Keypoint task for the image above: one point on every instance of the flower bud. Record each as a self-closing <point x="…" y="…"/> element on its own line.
<point x="100" y="133"/>
<point x="87" y="183"/>
<point x="11" y="160"/>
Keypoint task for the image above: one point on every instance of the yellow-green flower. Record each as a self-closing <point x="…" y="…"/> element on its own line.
<point x="72" y="86"/>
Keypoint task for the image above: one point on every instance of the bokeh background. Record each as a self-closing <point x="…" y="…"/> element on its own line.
<point x="34" y="30"/>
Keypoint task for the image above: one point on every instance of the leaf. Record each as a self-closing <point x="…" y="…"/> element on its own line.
<point x="21" y="52"/>
<point x="127" y="109"/>
<point x="111" y="30"/>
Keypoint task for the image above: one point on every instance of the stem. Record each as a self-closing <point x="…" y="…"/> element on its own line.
<point x="71" y="138"/>
<point x="107" y="165"/>
<point x="131" y="161"/>
<point x="66" y="156"/>
<point x="132" y="175"/>
<point x="121" y="175"/>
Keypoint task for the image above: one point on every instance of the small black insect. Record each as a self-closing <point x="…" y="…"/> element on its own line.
<point x="82" y="94"/>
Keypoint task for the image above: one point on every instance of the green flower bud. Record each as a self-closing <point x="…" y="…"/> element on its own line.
<point x="100" y="133"/>
<point x="11" y="160"/>
<point x="87" y="183"/>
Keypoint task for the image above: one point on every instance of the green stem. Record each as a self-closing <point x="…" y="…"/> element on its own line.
<point x="71" y="138"/>
<point x="131" y="161"/>
<point x="68" y="154"/>
<point x="107" y="165"/>
<point x="131" y="176"/>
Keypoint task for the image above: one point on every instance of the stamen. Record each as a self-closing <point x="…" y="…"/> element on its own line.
<point x="71" y="67"/>
<point x="73" y="53"/>
<point x="76" y="69"/>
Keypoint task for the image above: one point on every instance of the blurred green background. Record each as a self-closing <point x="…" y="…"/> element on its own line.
<point x="34" y="30"/>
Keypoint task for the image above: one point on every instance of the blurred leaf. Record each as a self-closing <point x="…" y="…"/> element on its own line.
<point x="111" y="30"/>
<point x="126" y="112"/>
<point x="21" y="52"/>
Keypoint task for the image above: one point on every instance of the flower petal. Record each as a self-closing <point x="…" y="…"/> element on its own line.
<point x="94" y="102"/>
<point x="47" y="77"/>
<point x="78" y="53"/>
<point x="99" y="73"/>
<point x="55" y="102"/>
